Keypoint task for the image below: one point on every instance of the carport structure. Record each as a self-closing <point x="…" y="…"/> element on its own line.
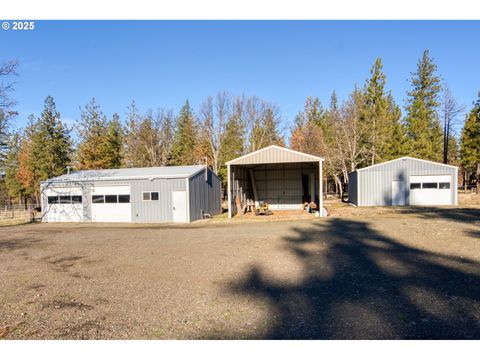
<point x="284" y="178"/>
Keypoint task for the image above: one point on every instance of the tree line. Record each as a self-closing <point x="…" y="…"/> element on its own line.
<point x="366" y="128"/>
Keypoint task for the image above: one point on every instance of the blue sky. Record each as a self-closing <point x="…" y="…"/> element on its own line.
<point x="162" y="63"/>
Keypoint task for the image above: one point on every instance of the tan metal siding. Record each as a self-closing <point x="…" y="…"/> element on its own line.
<point x="273" y="155"/>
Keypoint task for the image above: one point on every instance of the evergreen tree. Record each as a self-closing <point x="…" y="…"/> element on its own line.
<point x="114" y="151"/>
<point x="396" y="143"/>
<point x="45" y="150"/>
<point x="51" y="142"/>
<point x="14" y="187"/>
<point x="185" y="137"/>
<point x="378" y="115"/>
<point x="470" y="143"/>
<point x="233" y="142"/>
<point x="27" y="171"/>
<point x="92" y="132"/>
<point x="422" y="122"/>
<point x="453" y="151"/>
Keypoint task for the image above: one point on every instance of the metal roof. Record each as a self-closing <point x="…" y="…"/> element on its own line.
<point x="406" y="157"/>
<point x="274" y="154"/>
<point x="131" y="173"/>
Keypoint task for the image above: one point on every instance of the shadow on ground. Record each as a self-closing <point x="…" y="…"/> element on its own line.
<point x="365" y="285"/>
<point x="466" y="215"/>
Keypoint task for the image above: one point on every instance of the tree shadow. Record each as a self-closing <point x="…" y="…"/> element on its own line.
<point x="17" y="244"/>
<point x="360" y="284"/>
<point x="465" y="215"/>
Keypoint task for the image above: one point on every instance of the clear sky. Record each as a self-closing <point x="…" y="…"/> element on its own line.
<point x="162" y="63"/>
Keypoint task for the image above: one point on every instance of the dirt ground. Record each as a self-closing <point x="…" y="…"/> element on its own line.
<point x="403" y="273"/>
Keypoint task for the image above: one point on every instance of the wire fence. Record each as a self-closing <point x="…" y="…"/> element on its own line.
<point x="29" y="212"/>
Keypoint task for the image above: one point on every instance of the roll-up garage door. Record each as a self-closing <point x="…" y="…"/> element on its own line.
<point x="431" y="190"/>
<point x="111" y="204"/>
<point x="64" y="205"/>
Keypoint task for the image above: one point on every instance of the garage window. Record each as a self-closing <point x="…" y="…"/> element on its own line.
<point x="150" y="195"/>
<point x="111" y="199"/>
<point x="65" y="199"/>
<point x="53" y="200"/>
<point x="123" y="199"/>
<point x="444" y="185"/>
<point x="97" y="199"/>
<point x="429" y="185"/>
<point x="414" y="186"/>
<point x="76" y="199"/>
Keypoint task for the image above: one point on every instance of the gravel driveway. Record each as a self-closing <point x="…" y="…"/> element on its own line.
<point x="408" y="274"/>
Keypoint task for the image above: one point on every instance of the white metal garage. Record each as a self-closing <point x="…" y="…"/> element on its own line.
<point x="111" y="204"/>
<point x="404" y="181"/>
<point x="139" y="195"/>
<point x="64" y="205"/>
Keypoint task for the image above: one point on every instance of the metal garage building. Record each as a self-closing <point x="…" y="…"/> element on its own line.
<point x="140" y="195"/>
<point x="404" y="181"/>
<point x="282" y="177"/>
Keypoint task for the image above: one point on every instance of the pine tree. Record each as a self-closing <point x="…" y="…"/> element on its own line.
<point x="396" y="143"/>
<point x="114" y="151"/>
<point x="14" y="187"/>
<point x="52" y="141"/>
<point x="453" y="151"/>
<point x="374" y="113"/>
<point x="422" y="122"/>
<point x="185" y="137"/>
<point x="233" y="143"/>
<point x="92" y="132"/>
<point x="470" y="143"/>
<point x="45" y="150"/>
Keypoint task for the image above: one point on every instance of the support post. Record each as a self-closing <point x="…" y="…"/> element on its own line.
<point x="320" y="187"/>
<point x="254" y="186"/>
<point x="229" y="192"/>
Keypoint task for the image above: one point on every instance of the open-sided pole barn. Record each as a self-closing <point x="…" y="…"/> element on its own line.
<point x="284" y="178"/>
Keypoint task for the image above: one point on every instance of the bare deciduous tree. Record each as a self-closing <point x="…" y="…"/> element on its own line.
<point x="7" y="104"/>
<point x="149" y="137"/>
<point x="451" y="112"/>
<point x="262" y="121"/>
<point x="214" y="114"/>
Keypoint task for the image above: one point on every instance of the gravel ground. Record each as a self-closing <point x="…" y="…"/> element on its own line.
<point x="399" y="274"/>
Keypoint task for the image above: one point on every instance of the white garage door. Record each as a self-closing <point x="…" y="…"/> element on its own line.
<point x="111" y="204"/>
<point x="64" y="205"/>
<point x="431" y="190"/>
